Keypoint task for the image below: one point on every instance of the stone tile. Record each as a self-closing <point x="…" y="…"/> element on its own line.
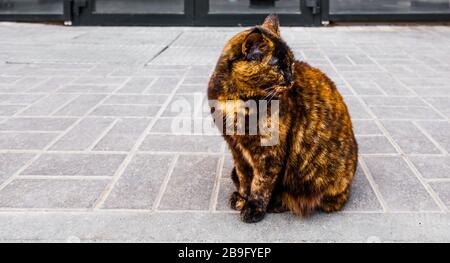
<point x="75" y="164"/>
<point x="123" y="135"/>
<point x="9" y="110"/>
<point x="140" y="184"/>
<point x="432" y="166"/>
<point x="362" y="87"/>
<point x="163" y="86"/>
<point x="439" y="131"/>
<point x="11" y="162"/>
<point x="410" y="138"/>
<point x="186" y="126"/>
<point x="192" y="89"/>
<point x="19" y="98"/>
<point x="226" y="188"/>
<point x="415" y="113"/>
<point x="182" y="143"/>
<point x="25" y="141"/>
<point x="362" y="197"/>
<point x="196" y="81"/>
<point x="191" y="184"/>
<point x="51" y="85"/>
<point x="200" y="71"/>
<point x="32" y="193"/>
<point x="432" y="91"/>
<point x="83" y="135"/>
<point x="356" y="109"/>
<point x="374" y="145"/>
<point x="136" y="85"/>
<point x="87" y="88"/>
<point x="126" y="110"/>
<point x="443" y="191"/>
<point x="366" y="127"/>
<point x="393" y="101"/>
<point x="441" y="104"/>
<point x="37" y="124"/>
<point x="228" y="165"/>
<point x="183" y="105"/>
<point x="399" y="187"/>
<point x="80" y="105"/>
<point x="48" y="105"/>
<point x="137" y="99"/>
<point x="100" y="80"/>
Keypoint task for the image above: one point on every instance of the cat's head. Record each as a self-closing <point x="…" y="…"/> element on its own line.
<point x="259" y="60"/>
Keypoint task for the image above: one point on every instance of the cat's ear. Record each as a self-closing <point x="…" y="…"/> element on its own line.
<point x="272" y="23"/>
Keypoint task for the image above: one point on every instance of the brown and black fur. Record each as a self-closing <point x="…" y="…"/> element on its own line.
<point x="313" y="164"/>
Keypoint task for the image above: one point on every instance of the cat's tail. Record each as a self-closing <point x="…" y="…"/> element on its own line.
<point x="300" y="205"/>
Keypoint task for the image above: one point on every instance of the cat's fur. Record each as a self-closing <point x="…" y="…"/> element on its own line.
<point x="313" y="164"/>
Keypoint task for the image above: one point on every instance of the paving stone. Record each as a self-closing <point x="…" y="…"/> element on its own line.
<point x="192" y="89"/>
<point x="11" y="162"/>
<point x="410" y="138"/>
<point x="87" y="88"/>
<point x="75" y="164"/>
<point x="191" y="184"/>
<point x="37" y="124"/>
<point x="32" y="193"/>
<point x="356" y="108"/>
<point x="226" y="188"/>
<point x="362" y="197"/>
<point x="184" y="105"/>
<point x="163" y="86"/>
<point x="374" y="145"/>
<point x="80" y="105"/>
<point x="19" y="98"/>
<point x="399" y="187"/>
<point x="416" y="113"/>
<point x="186" y="126"/>
<point x="137" y="99"/>
<point x="432" y="91"/>
<point x="83" y="135"/>
<point x="126" y="110"/>
<point x="140" y="184"/>
<point x="362" y="87"/>
<point x="123" y="135"/>
<point x="182" y="143"/>
<point x="100" y="80"/>
<point x="441" y="104"/>
<point x="9" y="110"/>
<point x="432" y="166"/>
<point x="51" y="85"/>
<point x="136" y="85"/>
<point x="25" y="141"/>
<point x="443" y="191"/>
<point x="393" y="101"/>
<point x="438" y="131"/>
<point x="366" y="127"/>
<point x="200" y="71"/>
<point x="48" y="105"/>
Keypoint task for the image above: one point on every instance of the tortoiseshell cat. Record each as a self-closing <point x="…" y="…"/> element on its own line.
<point x="313" y="164"/>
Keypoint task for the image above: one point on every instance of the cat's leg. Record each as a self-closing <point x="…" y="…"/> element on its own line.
<point x="333" y="202"/>
<point x="276" y="204"/>
<point x="264" y="180"/>
<point x="241" y="175"/>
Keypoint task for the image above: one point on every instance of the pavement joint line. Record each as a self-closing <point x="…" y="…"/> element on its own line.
<point x="373" y="185"/>
<point x="438" y="180"/>
<point x="148" y="87"/>
<point x="49" y="145"/>
<point x="165" y="183"/>
<point x="215" y="191"/>
<point x="62" y="177"/>
<point x="30" y="132"/>
<point x="430" y="138"/>
<point x="136" y="146"/>
<point x="65" y="104"/>
<point x="434" y="108"/>
<point x="102" y="134"/>
<point x="427" y="187"/>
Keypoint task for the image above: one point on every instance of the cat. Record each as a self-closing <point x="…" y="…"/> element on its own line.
<point x="313" y="164"/>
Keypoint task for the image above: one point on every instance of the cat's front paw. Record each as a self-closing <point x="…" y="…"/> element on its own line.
<point x="253" y="211"/>
<point x="237" y="202"/>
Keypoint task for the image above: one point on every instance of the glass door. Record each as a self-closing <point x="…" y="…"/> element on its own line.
<point x="132" y="12"/>
<point x="31" y="10"/>
<point x="251" y="12"/>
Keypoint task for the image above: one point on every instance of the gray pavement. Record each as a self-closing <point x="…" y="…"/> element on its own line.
<point x="87" y="152"/>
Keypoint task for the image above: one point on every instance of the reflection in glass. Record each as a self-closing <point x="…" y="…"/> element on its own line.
<point x="254" y="6"/>
<point x="31" y="7"/>
<point x="140" y="6"/>
<point x="389" y="6"/>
